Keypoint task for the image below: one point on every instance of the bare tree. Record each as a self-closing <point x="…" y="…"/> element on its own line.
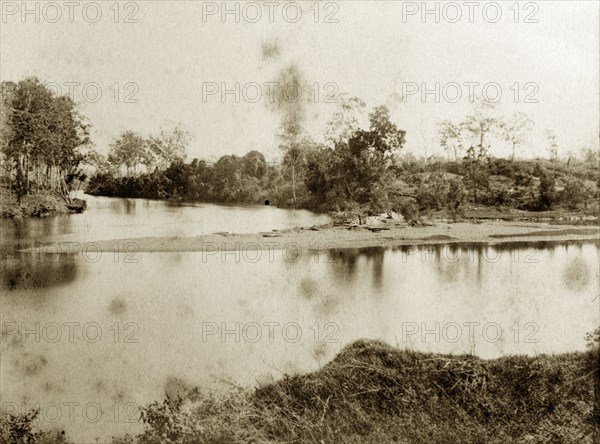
<point x="516" y="130"/>
<point x="451" y="138"/>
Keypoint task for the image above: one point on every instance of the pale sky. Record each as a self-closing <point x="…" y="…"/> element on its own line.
<point x="173" y="50"/>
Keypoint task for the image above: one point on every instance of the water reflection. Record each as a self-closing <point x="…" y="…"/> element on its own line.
<point x="174" y="321"/>
<point x="26" y="271"/>
<point x="113" y="218"/>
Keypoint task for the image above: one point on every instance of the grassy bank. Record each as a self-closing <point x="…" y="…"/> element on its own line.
<point x="374" y="393"/>
<point x="36" y="205"/>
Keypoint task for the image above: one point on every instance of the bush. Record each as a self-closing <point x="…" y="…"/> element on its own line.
<point x="574" y="194"/>
<point x="502" y="167"/>
<point x="547" y="192"/>
<point x="18" y="428"/>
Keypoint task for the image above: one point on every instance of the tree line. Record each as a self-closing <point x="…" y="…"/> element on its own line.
<point x="359" y="170"/>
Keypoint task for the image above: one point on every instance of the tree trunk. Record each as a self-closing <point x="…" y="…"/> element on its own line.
<point x="27" y="173"/>
<point x="293" y="183"/>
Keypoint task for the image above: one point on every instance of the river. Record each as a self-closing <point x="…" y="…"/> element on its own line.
<point x="88" y="338"/>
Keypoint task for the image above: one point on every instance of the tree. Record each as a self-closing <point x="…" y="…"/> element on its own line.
<point x="591" y="156"/>
<point x="476" y="176"/>
<point x="129" y="150"/>
<point x="357" y="171"/>
<point x="547" y="191"/>
<point x="451" y="138"/>
<point x="346" y="120"/>
<point x="516" y="130"/>
<point x="574" y="194"/>
<point x="293" y="142"/>
<point x="169" y="146"/>
<point x="42" y="135"/>
<point x="386" y="137"/>
<point x="254" y="165"/>
<point x="552" y="144"/>
<point x="6" y="93"/>
<point x="482" y="121"/>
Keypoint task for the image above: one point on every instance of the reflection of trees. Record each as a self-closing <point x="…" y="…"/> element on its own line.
<point x="344" y="264"/>
<point x="577" y="276"/>
<point x="451" y="261"/>
<point x="128" y="206"/>
<point x="22" y="232"/>
<point x="24" y="271"/>
<point x="375" y="256"/>
<point x="123" y="206"/>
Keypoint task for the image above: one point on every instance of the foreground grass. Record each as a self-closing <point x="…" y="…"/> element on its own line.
<point x="374" y="393"/>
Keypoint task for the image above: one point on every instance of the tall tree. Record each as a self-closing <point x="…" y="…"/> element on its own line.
<point x="346" y="120"/>
<point x="516" y="130"/>
<point x="552" y="141"/>
<point x="293" y="142"/>
<point x="451" y="138"/>
<point x="169" y="146"/>
<point x="365" y="159"/>
<point x="482" y="121"/>
<point x="254" y="165"/>
<point x="129" y="150"/>
<point x="42" y="134"/>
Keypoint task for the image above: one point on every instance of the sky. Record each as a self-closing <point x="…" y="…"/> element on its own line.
<point x="145" y="64"/>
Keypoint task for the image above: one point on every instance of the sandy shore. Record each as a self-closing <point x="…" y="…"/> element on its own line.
<point x="390" y="234"/>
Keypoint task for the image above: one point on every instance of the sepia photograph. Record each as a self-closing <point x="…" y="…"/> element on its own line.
<point x="309" y="221"/>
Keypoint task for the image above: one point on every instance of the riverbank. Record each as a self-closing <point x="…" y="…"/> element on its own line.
<point x="36" y="205"/>
<point x="384" y="233"/>
<point x="372" y="392"/>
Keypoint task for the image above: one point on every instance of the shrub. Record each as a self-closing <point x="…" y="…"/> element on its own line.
<point x="574" y="194"/>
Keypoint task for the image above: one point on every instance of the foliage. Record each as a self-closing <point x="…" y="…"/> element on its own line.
<point x="129" y="150"/>
<point x="231" y="179"/>
<point x="452" y="138"/>
<point x="42" y="138"/>
<point x="574" y="194"/>
<point x="482" y="121"/>
<point x="19" y="429"/>
<point x="547" y="191"/>
<point x="169" y="146"/>
<point x="361" y="171"/>
<point x="516" y="129"/>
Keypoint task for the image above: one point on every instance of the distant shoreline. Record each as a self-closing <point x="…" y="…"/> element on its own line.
<point x="330" y="237"/>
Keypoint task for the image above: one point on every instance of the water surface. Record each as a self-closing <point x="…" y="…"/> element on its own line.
<point x="113" y="218"/>
<point x="92" y="339"/>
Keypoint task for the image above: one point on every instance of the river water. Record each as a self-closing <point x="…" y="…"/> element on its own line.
<point x="87" y="339"/>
